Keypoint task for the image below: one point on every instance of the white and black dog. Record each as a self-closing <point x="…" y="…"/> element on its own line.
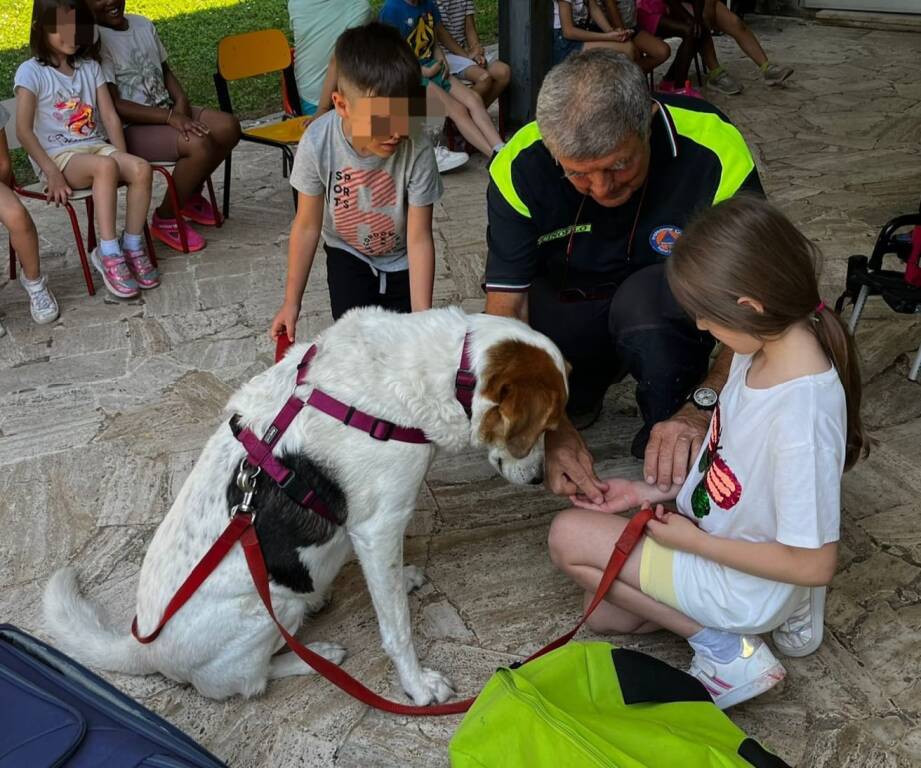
<point x="397" y="367"/>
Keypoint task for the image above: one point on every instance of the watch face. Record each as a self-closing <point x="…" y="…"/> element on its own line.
<point x="705" y="397"/>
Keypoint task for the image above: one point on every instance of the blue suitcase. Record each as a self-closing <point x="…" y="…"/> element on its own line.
<point x="54" y="712"/>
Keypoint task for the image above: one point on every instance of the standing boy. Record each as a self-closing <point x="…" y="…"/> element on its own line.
<point x="367" y="184"/>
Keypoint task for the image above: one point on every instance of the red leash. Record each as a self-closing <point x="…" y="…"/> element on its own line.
<point x="241" y="527"/>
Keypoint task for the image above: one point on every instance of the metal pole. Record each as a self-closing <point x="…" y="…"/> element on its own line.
<point x="525" y="42"/>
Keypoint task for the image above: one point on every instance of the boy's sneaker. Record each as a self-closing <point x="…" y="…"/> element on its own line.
<point x="167" y="232"/>
<point x="775" y="75"/>
<point x="448" y="160"/>
<point x="802" y="633"/>
<point x="42" y="304"/>
<point x="115" y="274"/>
<point x="142" y="268"/>
<point x="723" y="82"/>
<point x="199" y="209"/>
<point x="752" y="672"/>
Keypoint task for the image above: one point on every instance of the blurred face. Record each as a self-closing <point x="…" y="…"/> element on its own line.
<point x="613" y="179"/>
<point x="377" y="123"/>
<point x="66" y="36"/>
<point x="109" y="13"/>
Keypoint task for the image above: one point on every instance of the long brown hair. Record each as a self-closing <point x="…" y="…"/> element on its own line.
<point x="45" y="20"/>
<point x="746" y="247"/>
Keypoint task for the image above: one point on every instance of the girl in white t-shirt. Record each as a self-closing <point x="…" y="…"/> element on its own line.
<point x="571" y="33"/>
<point x="65" y="120"/>
<point x="755" y="536"/>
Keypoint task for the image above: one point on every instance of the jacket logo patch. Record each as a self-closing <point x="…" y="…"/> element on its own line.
<point x="663" y="239"/>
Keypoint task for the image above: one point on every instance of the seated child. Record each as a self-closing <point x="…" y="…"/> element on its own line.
<point x="670" y="18"/>
<point x="420" y="23"/>
<point x="61" y="97"/>
<point x="755" y="537"/>
<point x="621" y="14"/>
<point x="161" y="125"/>
<point x="466" y="58"/>
<point x="571" y="19"/>
<point x="715" y="15"/>
<point x="366" y="184"/>
<point x="24" y="239"/>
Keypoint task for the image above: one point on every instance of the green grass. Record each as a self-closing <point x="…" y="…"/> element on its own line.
<point x="190" y="30"/>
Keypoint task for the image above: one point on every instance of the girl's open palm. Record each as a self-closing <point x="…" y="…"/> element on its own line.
<point x="621" y="495"/>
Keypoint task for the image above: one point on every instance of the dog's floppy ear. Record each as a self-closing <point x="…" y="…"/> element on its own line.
<point x="529" y="393"/>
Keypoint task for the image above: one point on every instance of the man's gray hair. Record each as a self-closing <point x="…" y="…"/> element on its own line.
<point x="590" y="103"/>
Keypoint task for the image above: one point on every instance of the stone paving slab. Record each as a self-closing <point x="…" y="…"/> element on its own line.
<point x="103" y="414"/>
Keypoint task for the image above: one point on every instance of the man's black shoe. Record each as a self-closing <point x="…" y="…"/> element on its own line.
<point x="583" y="419"/>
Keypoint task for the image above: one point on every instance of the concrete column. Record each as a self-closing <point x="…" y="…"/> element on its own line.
<point x="525" y="42"/>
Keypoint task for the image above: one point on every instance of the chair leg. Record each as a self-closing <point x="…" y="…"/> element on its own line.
<point x="288" y="159"/>
<point x="859" y="304"/>
<point x="227" y="185"/>
<point x="90" y="225"/>
<point x="151" y="251"/>
<point x="915" y="367"/>
<point x="219" y="220"/>
<point x="697" y="66"/>
<point x="174" y="200"/>
<point x="78" y="236"/>
<point x="12" y="261"/>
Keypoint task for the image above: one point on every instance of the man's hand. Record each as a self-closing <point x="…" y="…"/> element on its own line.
<point x="672" y="446"/>
<point x="569" y="467"/>
<point x="674" y="530"/>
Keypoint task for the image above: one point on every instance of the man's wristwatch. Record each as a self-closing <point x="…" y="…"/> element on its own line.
<point x="704" y="398"/>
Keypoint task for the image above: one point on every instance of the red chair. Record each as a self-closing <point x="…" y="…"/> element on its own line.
<point x="37" y="192"/>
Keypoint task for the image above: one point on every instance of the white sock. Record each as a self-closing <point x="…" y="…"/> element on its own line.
<point x="131" y="242"/>
<point x="110" y="247"/>
<point x="720" y="646"/>
<point x="33" y="284"/>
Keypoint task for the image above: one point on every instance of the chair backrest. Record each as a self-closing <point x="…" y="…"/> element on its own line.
<point x="11" y="140"/>
<point x="252" y="54"/>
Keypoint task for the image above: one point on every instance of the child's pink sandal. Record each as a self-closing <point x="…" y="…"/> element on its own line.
<point x="199" y="209"/>
<point x="167" y="232"/>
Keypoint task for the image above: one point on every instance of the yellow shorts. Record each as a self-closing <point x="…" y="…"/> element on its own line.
<point x="61" y="159"/>
<point x="657" y="573"/>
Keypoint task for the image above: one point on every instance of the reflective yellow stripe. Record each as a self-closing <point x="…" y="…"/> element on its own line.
<point x="501" y="168"/>
<point x="724" y="140"/>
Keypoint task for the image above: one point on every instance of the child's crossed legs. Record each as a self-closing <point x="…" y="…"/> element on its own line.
<point x="466" y="109"/>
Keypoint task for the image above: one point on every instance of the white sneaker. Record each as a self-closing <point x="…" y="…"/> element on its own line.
<point x="754" y="671"/>
<point x="42" y="304"/>
<point x="448" y="160"/>
<point x="776" y="75"/>
<point x="802" y="633"/>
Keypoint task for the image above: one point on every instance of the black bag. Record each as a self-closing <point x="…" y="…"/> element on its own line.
<point x="57" y="713"/>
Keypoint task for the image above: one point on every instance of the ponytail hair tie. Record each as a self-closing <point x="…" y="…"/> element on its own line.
<point x="820" y="307"/>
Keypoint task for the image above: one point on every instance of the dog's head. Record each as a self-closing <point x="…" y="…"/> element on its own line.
<point x="527" y="389"/>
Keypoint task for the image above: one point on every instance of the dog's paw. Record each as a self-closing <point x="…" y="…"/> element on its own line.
<point x="330" y="651"/>
<point x="413" y="578"/>
<point x="315" y="602"/>
<point x="431" y="688"/>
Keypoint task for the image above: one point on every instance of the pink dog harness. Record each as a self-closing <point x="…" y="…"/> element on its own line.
<point x="259" y="451"/>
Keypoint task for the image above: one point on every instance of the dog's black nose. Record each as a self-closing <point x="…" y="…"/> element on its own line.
<point x="537" y="480"/>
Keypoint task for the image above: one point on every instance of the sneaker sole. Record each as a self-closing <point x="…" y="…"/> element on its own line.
<point x="196" y="219"/>
<point x="764" y="682"/>
<point x="772" y="83"/>
<point x="46" y="320"/>
<point x="102" y="273"/>
<point x="453" y="166"/>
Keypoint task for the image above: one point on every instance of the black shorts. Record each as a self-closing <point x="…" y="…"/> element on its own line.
<point x="353" y="283"/>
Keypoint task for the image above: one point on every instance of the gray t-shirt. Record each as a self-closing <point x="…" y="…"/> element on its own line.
<point x="365" y="197"/>
<point x="133" y="59"/>
<point x="65" y="109"/>
<point x="4" y="117"/>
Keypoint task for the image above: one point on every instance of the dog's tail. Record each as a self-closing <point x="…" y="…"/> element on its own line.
<point x="79" y="628"/>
